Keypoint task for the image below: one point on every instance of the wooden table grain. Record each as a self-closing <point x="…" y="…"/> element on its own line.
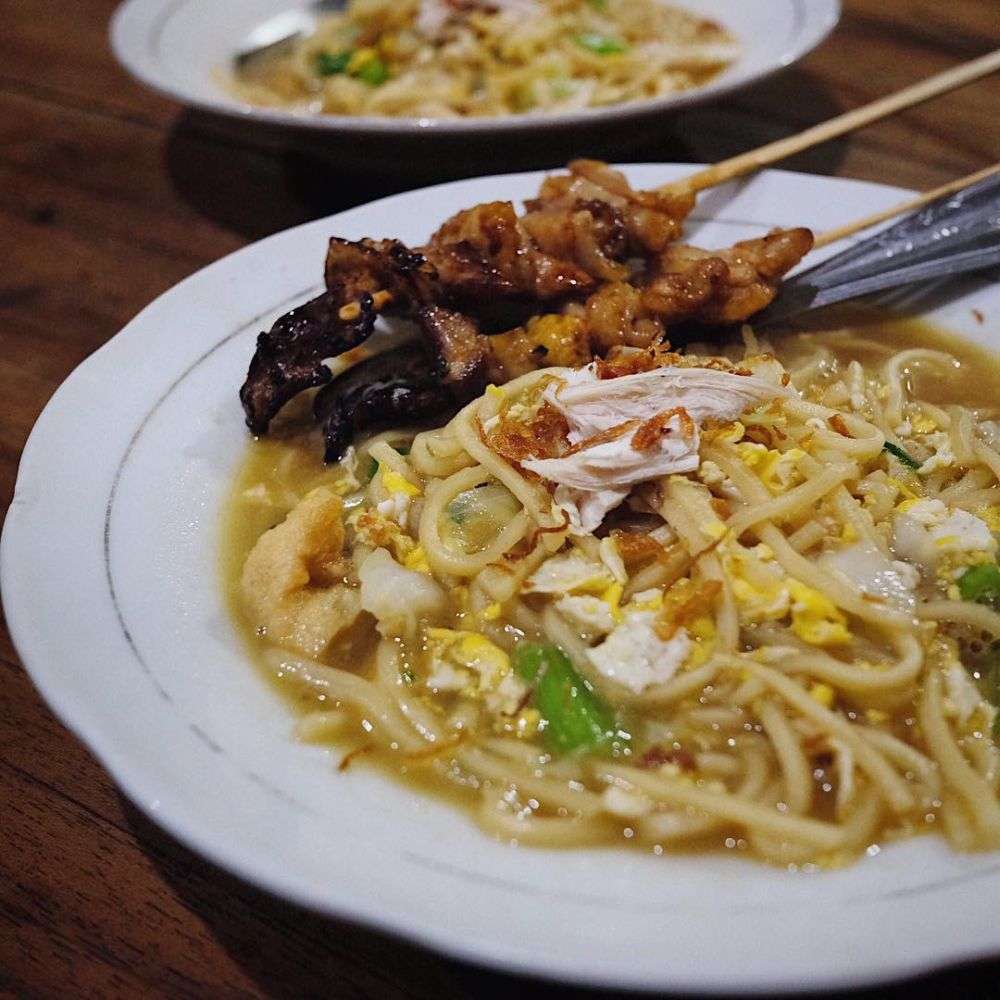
<point x="108" y="196"/>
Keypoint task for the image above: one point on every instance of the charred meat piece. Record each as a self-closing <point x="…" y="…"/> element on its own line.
<point x="459" y="349"/>
<point x="376" y="267"/>
<point x="392" y="388"/>
<point x="484" y="254"/>
<point x="289" y="358"/>
<point x="724" y="286"/>
<point x="417" y="381"/>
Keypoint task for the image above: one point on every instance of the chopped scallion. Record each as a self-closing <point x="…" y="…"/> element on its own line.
<point x="330" y="64"/>
<point x="374" y="72"/>
<point x="601" y="45"/>
<point x="574" y="716"/>
<point x="981" y="584"/>
<point x="908" y="460"/>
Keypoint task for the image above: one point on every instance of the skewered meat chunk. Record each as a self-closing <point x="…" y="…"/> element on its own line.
<point x="483" y="253"/>
<point x="615" y="317"/>
<point x="652" y="219"/>
<point x="724" y="286"/>
<point x="542" y="342"/>
<point x="289" y="358"/>
<point x="591" y="233"/>
<point x="590" y="269"/>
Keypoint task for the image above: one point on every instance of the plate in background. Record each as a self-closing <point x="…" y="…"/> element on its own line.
<point x="178" y="46"/>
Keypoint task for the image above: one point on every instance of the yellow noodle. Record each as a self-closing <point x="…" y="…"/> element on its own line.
<point x="962" y="779"/>
<point x="892" y="787"/>
<point x="795" y="768"/>
<point x="964" y="612"/>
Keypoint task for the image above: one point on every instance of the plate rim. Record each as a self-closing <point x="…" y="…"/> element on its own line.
<point x="129" y="774"/>
<point x="134" y="16"/>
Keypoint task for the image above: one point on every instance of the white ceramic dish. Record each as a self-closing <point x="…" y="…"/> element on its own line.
<point x="111" y="589"/>
<point x="177" y="47"/>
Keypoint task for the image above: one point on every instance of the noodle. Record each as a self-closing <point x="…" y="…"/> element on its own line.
<point x="771" y="652"/>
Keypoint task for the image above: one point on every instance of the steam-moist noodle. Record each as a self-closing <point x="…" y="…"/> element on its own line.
<point x="443" y="59"/>
<point x="792" y="649"/>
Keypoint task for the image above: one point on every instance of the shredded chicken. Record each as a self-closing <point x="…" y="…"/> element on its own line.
<point x="636" y="428"/>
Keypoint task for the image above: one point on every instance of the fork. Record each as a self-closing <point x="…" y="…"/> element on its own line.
<point x="954" y="235"/>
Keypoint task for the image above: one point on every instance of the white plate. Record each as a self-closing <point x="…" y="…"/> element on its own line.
<point x="177" y="47"/>
<point x="111" y="589"/>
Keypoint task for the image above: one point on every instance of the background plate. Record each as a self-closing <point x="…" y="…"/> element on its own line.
<point x="177" y="47"/>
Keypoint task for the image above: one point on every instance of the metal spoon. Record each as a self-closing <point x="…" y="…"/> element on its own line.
<point x="954" y="235"/>
<point x="283" y="29"/>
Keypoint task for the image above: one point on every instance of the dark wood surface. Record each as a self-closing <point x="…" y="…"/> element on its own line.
<point x="108" y="196"/>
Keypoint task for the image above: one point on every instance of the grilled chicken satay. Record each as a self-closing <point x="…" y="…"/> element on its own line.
<point x="591" y="266"/>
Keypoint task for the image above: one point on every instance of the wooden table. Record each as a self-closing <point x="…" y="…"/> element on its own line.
<point x="108" y="196"/>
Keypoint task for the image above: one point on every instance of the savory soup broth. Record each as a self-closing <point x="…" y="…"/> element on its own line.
<point x="733" y="750"/>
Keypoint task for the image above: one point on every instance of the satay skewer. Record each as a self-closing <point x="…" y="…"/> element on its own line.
<point x="352" y="310"/>
<point x="756" y="159"/>
<point x="858" y="225"/>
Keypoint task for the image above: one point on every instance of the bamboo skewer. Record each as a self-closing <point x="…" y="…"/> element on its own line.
<point x="746" y="163"/>
<point x="850" y="228"/>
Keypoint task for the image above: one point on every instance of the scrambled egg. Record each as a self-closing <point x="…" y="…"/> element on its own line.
<point x="990" y="516"/>
<point x="777" y="470"/>
<point x="815" y="618"/>
<point x="758" y="583"/>
<point x="929" y="533"/>
<point x="401" y="492"/>
<point x="416" y="559"/>
<point x="823" y="693"/>
<point x="636" y="657"/>
<point x="396" y="483"/>
<point x="764" y="593"/>
<point x="468" y="663"/>
<point x="569" y="573"/>
<point x="374" y="529"/>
